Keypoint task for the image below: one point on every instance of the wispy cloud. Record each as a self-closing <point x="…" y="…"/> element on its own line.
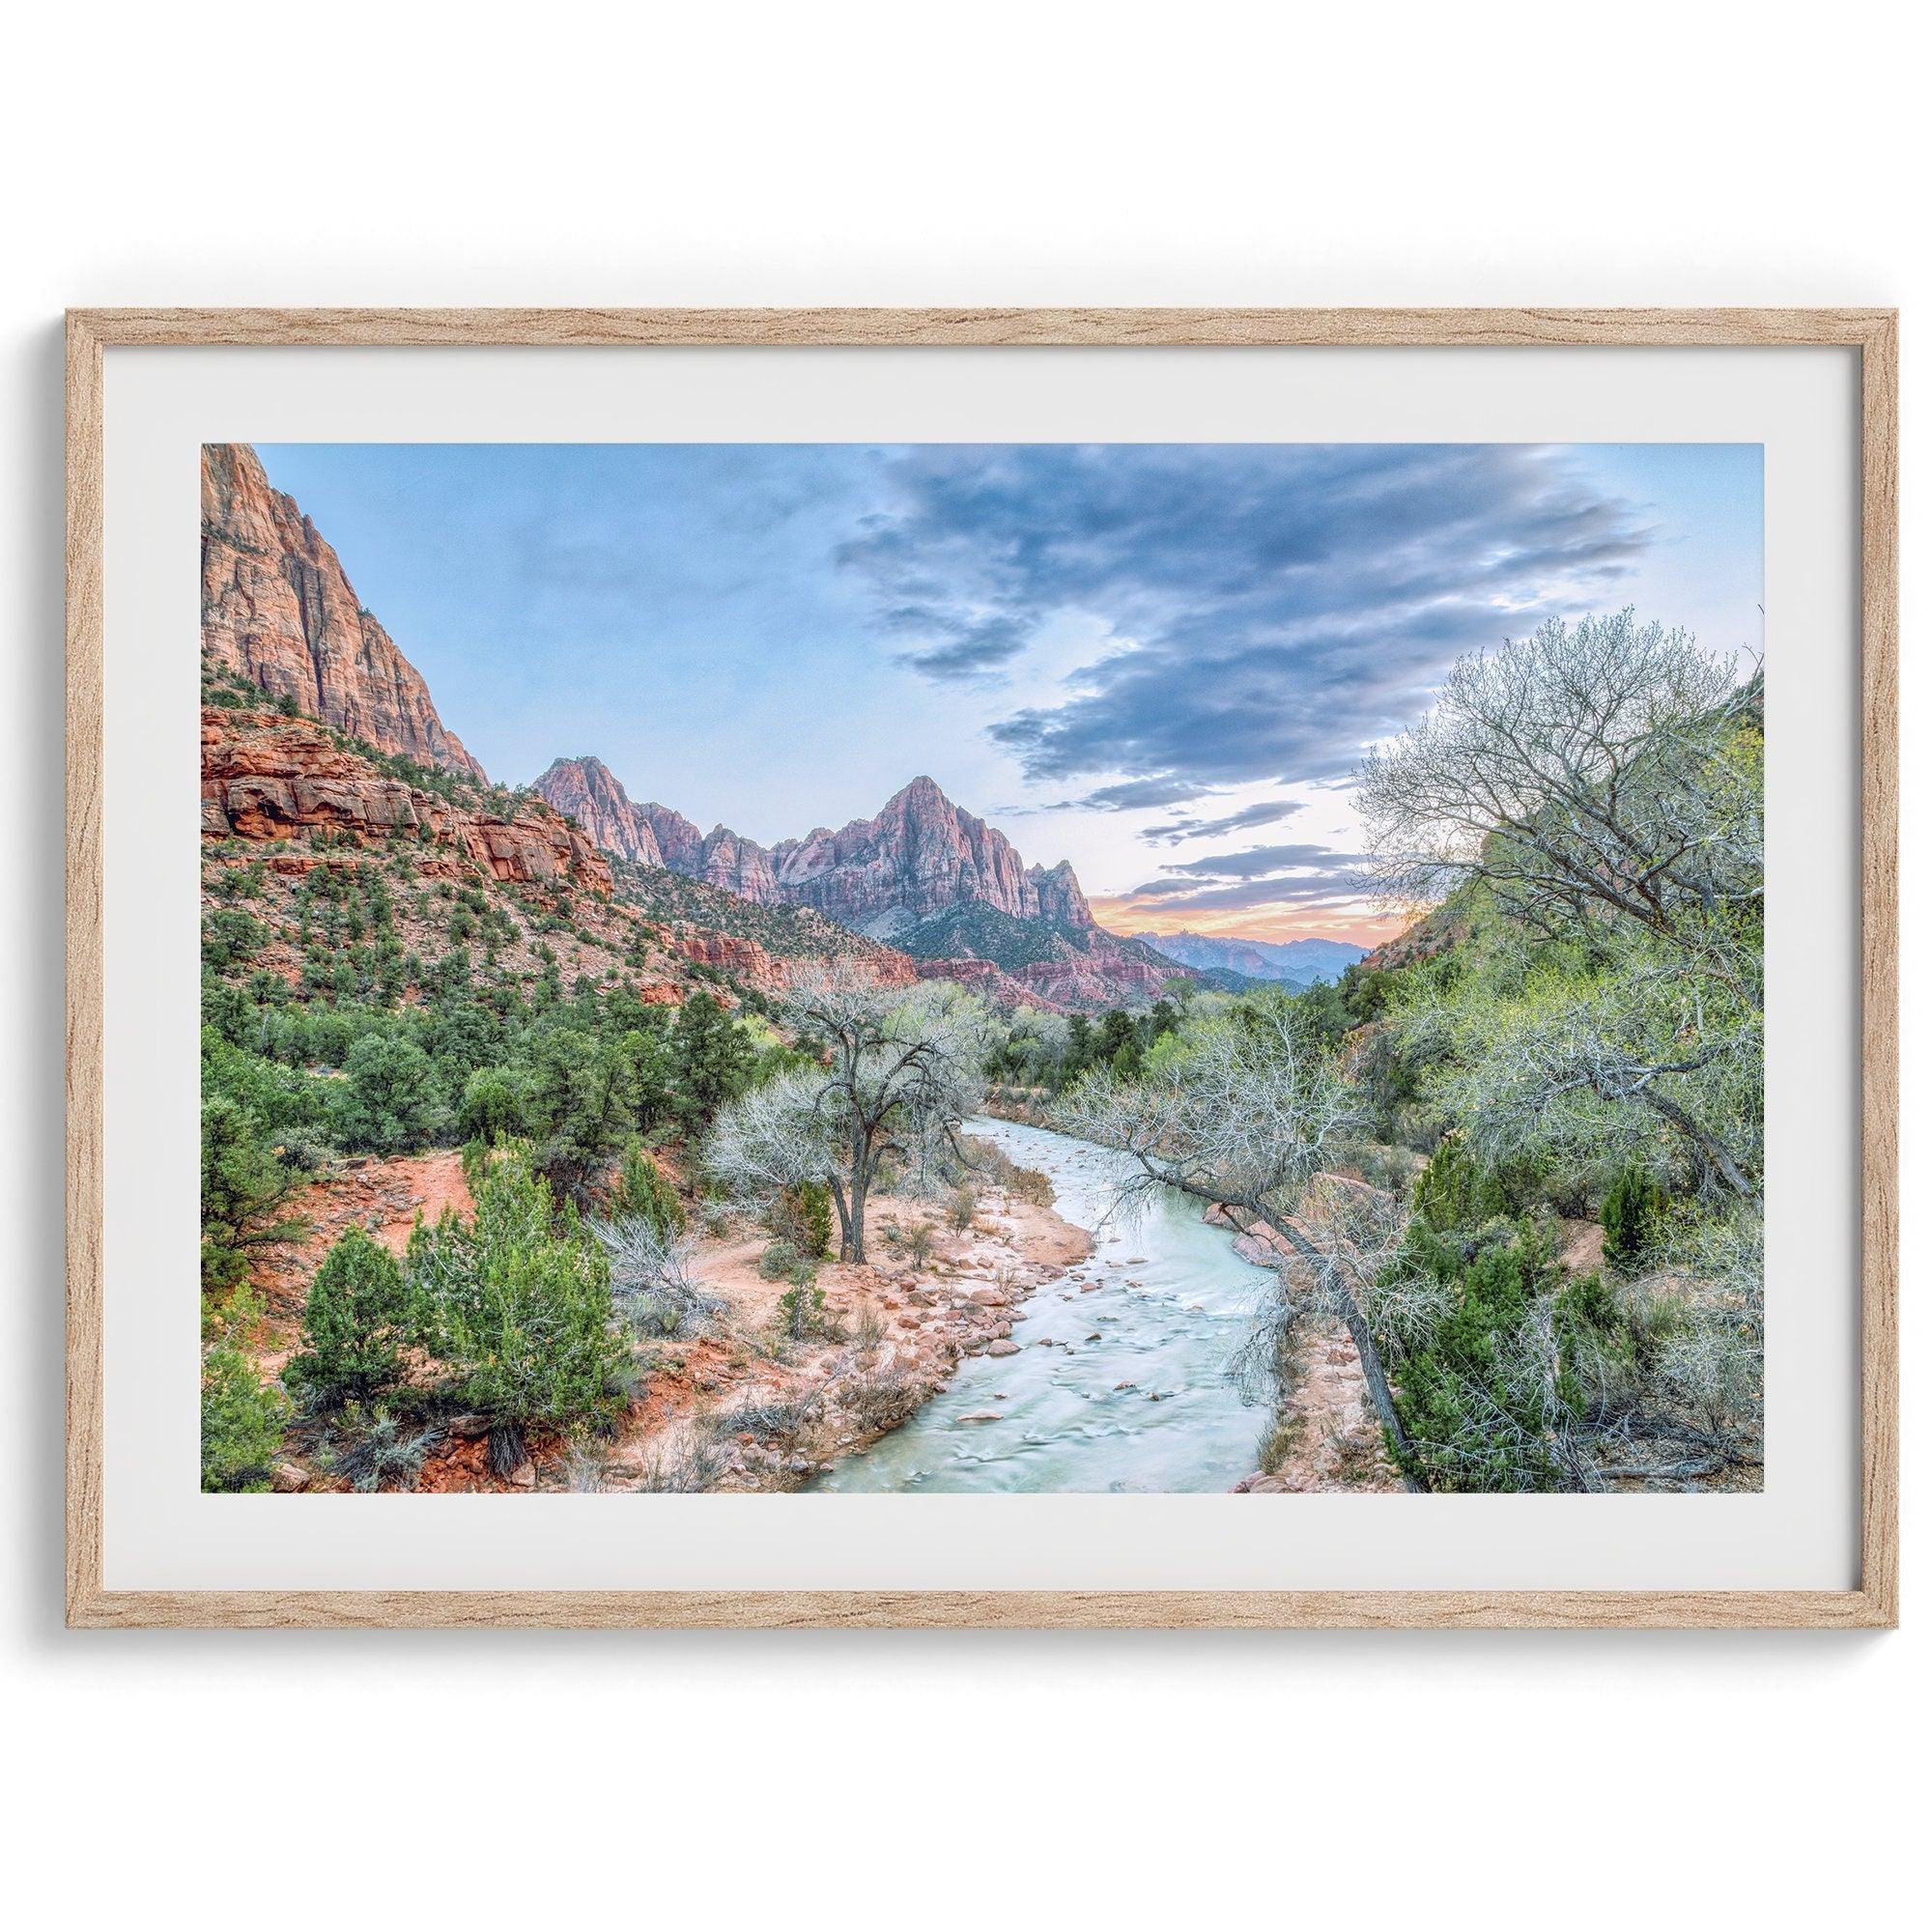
<point x="1175" y="831"/>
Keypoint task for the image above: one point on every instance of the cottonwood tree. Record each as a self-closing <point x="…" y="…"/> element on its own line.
<point x="1605" y="783"/>
<point x="1248" y="1115"/>
<point x="896" y="1070"/>
<point x="1604" y="771"/>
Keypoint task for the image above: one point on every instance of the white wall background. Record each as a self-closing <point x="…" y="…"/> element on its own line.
<point x="887" y="154"/>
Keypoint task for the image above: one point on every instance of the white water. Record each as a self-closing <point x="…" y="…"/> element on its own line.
<point x="1172" y="1305"/>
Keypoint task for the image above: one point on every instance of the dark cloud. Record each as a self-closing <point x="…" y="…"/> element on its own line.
<point x="1177" y="830"/>
<point x="1281" y="603"/>
<point x="1187" y="896"/>
<point x="1260" y="858"/>
<point x="1294" y="875"/>
<point x="1137" y="794"/>
<point x="957" y="648"/>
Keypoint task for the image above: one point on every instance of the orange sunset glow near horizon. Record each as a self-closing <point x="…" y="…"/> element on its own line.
<point x="1359" y="927"/>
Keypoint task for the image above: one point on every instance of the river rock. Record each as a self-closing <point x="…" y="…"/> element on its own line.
<point x="1003" y="1347"/>
<point x="983" y="1415"/>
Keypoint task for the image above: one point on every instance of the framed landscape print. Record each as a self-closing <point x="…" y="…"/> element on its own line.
<point x="1009" y="967"/>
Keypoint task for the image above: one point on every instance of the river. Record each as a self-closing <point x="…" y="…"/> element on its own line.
<point x="1133" y="1390"/>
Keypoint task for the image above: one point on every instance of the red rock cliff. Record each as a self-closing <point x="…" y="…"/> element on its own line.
<point x="586" y="789"/>
<point x="264" y="777"/>
<point x="277" y="608"/>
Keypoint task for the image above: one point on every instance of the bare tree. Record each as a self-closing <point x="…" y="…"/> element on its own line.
<point x="898" y="1069"/>
<point x="1587" y="774"/>
<point x="1248" y="1116"/>
<point x="654" y="1279"/>
<point x="1606" y="782"/>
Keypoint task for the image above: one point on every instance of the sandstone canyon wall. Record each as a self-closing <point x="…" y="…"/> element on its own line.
<point x="277" y="608"/>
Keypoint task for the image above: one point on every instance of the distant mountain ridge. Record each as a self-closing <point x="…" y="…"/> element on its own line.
<point x="921" y="876"/>
<point x="1300" y="962"/>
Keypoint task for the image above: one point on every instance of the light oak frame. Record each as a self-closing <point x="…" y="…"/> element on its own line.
<point x="1872" y="333"/>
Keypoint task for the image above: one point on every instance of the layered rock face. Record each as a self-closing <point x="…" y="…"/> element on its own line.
<point x="586" y="789"/>
<point x="919" y="855"/>
<point x="264" y="777"/>
<point x="1062" y="902"/>
<point x="738" y="866"/>
<point x="885" y="876"/>
<point x="277" y="608"/>
<point x="654" y="834"/>
<point x="678" y="838"/>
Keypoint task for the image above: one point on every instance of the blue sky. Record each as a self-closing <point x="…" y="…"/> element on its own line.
<point x="1161" y="661"/>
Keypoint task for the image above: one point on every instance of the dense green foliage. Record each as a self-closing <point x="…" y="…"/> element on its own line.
<point x="354" y="1325"/>
<point x="516" y="1306"/>
<point x="1633" y="1218"/>
<point x="241" y="1415"/>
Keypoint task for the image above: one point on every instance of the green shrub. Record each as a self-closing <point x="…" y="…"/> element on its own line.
<point x="517" y="1305"/>
<point x="353" y="1325"/>
<point x="643" y="1193"/>
<point x="231" y="937"/>
<point x="1474" y="1395"/>
<point x="802" y="1311"/>
<point x="390" y="1102"/>
<point x="778" y="1261"/>
<point x="1633" y="1218"/>
<point x="495" y="1105"/>
<point x="1450" y="1192"/>
<point x="241" y="1415"/>
<point x="801" y="1214"/>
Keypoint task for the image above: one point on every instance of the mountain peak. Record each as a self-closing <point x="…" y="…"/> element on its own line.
<point x="587" y="788"/>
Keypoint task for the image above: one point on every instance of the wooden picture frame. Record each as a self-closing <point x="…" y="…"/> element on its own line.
<point x="1872" y="332"/>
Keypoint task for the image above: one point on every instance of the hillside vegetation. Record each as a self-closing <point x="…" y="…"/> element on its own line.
<point x="1523" y="1170"/>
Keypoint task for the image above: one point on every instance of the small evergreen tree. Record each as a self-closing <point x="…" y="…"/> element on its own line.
<point x="241" y="1415"/>
<point x="582" y="1105"/>
<point x="1450" y="1192"/>
<point x="244" y="1186"/>
<point x="389" y="1101"/>
<point x="495" y="1103"/>
<point x="645" y="1193"/>
<point x="712" y="1057"/>
<point x="1633" y="1218"/>
<point x="518" y="1304"/>
<point x="802" y="1216"/>
<point x="353" y="1325"/>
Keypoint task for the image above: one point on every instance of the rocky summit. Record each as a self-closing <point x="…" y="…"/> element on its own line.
<point x="922" y="875"/>
<point x="277" y="608"/>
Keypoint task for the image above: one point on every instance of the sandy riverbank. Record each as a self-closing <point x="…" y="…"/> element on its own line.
<point x="896" y="1333"/>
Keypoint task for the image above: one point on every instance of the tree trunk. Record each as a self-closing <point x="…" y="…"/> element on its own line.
<point x="844" y="1218"/>
<point x="1352" y="1318"/>
<point x="861" y="1186"/>
<point x="1357" y="1324"/>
